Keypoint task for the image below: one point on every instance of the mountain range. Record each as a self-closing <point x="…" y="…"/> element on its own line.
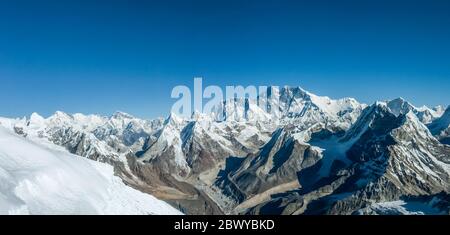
<point x="308" y="155"/>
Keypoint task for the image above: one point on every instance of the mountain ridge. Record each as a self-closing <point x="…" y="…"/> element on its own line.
<point x="303" y="151"/>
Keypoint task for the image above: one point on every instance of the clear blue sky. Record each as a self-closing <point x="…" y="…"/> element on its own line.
<point x="102" y="56"/>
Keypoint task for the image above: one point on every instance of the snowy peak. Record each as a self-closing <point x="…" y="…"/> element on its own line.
<point x="441" y="125"/>
<point x="446" y="115"/>
<point x="415" y="129"/>
<point x="60" y="118"/>
<point x="399" y="106"/>
<point x="201" y="117"/>
<point x="238" y="110"/>
<point x="297" y="100"/>
<point x="300" y="143"/>
<point x="165" y="147"/>
<point x="439" y="110"/>
<point x="36" y="121"/>
<point x="287" y="103"/>
<point x="121" y="115"/>
<point x="288" y="93"/>
<point x="389" y="149"/>
<point x="88" y="122"/>
<point x="175" y="121"/>
<point x="420" y="152"/>
<point x="303" y="108"/>
<point x="36" y="118"/>
<point x="120" y="120"/>
<point x="370" y="118"/>
<point x="387" y="116"/>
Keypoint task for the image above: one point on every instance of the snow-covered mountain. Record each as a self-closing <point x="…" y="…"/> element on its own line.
<point x="441" y="127"/>
<point x="305" y="108"/>
<point x="45" y="179"/>
<point x="426" y="115"/>
<point x="296" y="155"/>
<point x="292" y="105"/>
<point x="91" y="136"/>
<point x="386" y="156"/>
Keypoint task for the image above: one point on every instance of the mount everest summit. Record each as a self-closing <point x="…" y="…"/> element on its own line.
<point x="309" y="155"/>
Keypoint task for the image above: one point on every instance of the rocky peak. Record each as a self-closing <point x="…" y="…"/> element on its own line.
<point x="121" y="115"/>
<point x="399" y="106"/>
<point x="439" y="110"/>
<point x="440" y="124"/>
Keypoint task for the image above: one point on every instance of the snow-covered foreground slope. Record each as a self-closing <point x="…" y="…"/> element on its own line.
<point x="44" y="180"/>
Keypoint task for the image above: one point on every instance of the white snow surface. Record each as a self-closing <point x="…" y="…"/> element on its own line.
<point x="441" y="124"/>
<point x="37" y="179"/>
<point x="426" y="115"/>
<point x="401" y="207"/>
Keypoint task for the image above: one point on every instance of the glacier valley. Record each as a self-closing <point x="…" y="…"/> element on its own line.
<point x="310" y="155"/>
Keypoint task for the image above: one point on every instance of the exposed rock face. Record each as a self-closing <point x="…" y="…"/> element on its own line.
<point x="392" y="157"/>
<point x="426" y="115"/>
<point x="441" y="127"/>
<point x="303" y="108"/>
<point x="189" y="148"/>
<point x="277" y="163"/>
<point x="302" y="154"/>
<point x="183" y="196"/>
<point x="411" y="163"/>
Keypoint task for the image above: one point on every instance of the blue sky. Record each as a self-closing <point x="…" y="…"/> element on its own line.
<point x="102" y="56"/>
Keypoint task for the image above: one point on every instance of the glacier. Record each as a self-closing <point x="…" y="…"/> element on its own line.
<point x="310" y="155"/>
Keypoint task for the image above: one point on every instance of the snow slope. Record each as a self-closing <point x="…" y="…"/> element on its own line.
<point x="44" y="180"/>
<point x="401" y="207"/>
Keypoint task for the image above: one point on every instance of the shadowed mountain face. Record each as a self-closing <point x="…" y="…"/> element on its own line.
<point x="391" y="157"/>
<point x="441" y="127"/>
<point x="311" y="155"/>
